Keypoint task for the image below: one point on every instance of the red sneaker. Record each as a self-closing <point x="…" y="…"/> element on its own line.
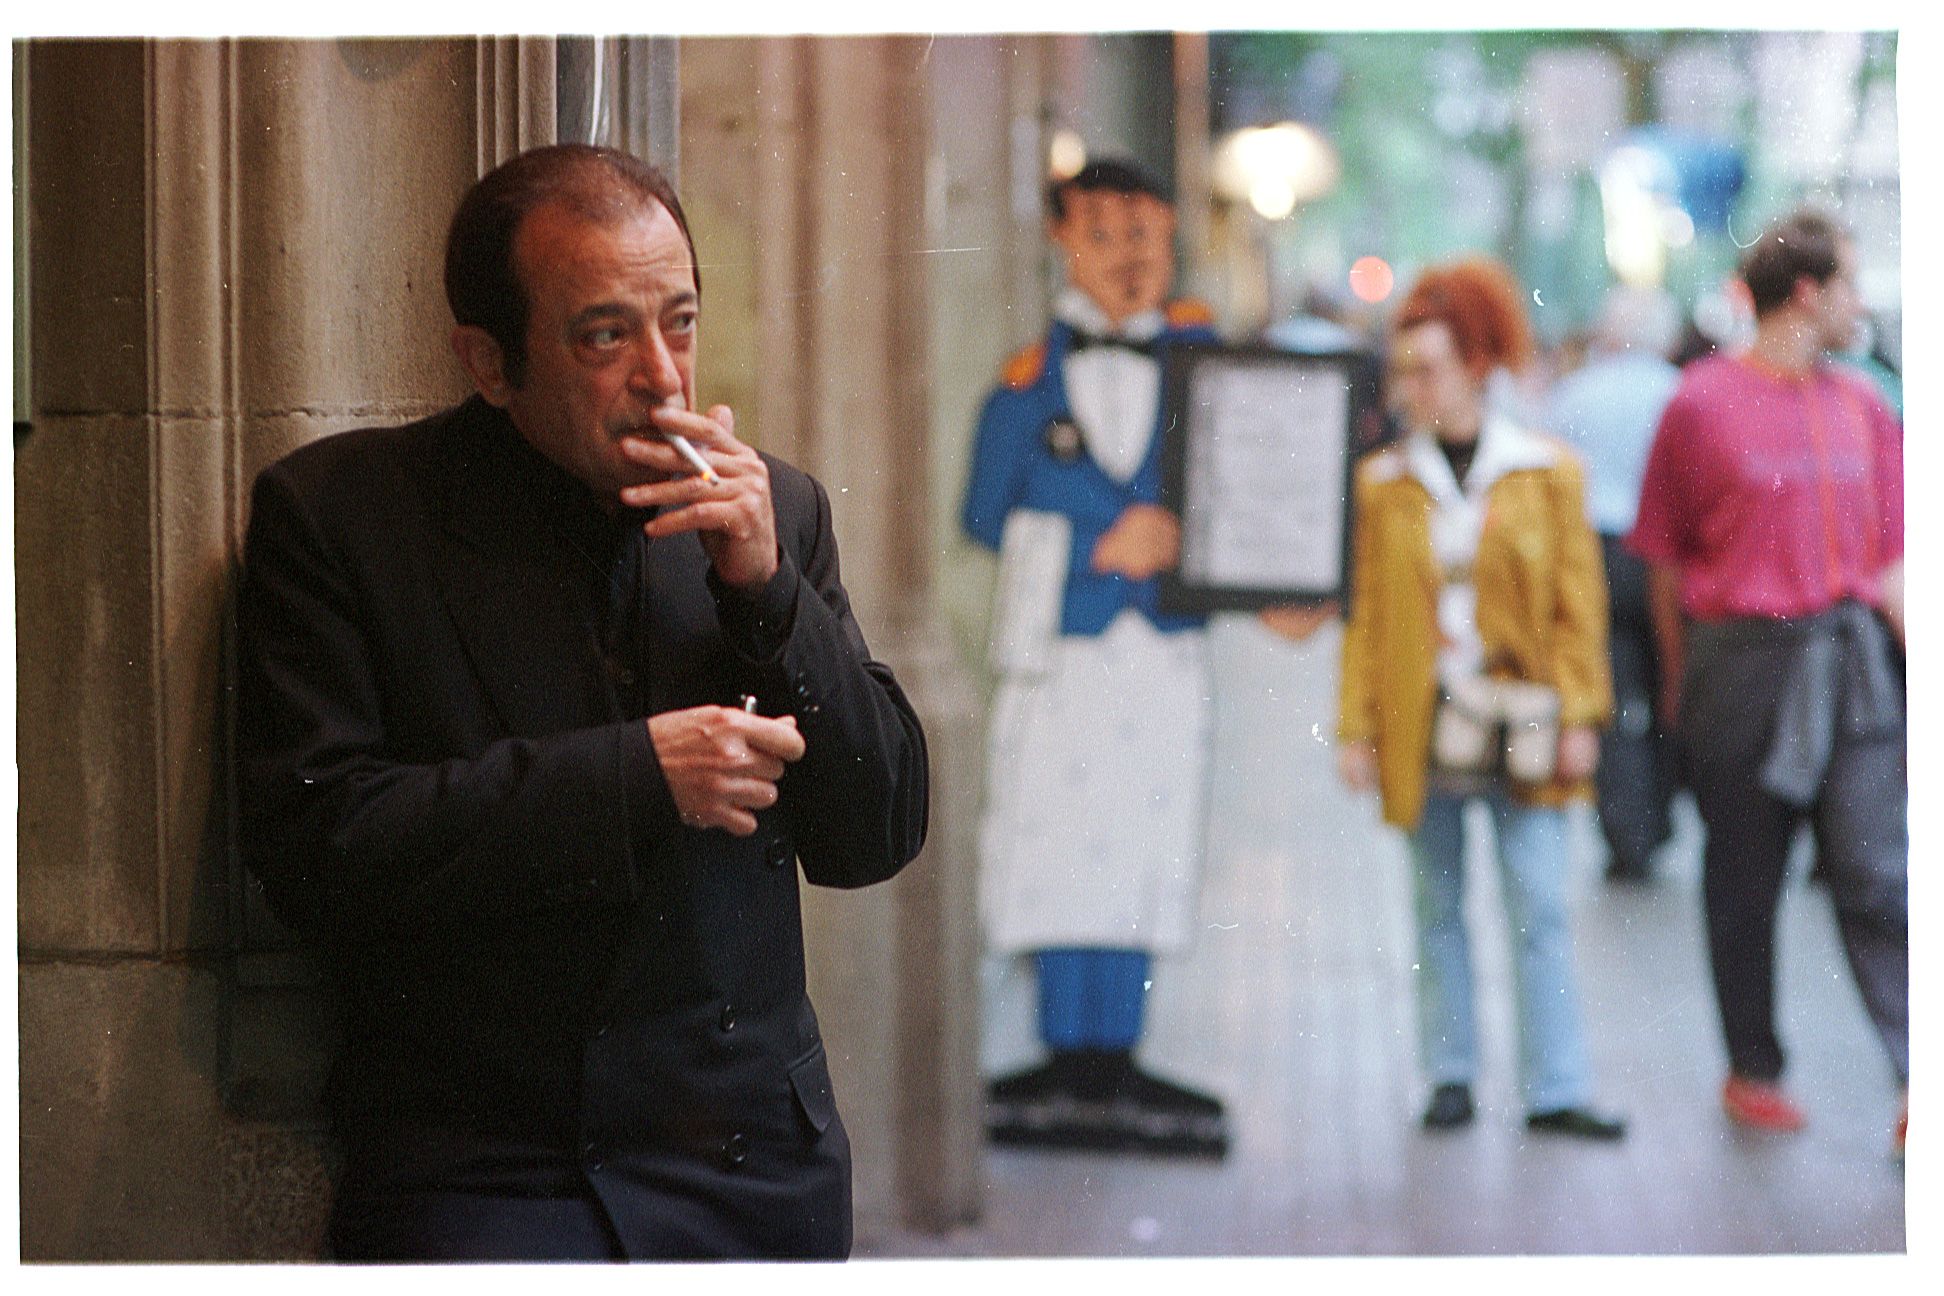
<point x="1760" y="1105"/>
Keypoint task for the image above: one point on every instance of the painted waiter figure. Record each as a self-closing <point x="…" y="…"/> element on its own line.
<point x="496" y="759"/>
<point x="1091" y="837"/>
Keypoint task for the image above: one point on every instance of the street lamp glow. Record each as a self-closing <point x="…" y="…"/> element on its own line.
<point x="1273" y="197"/>
<point x="1275" y="168"/>
<point x="1066" y="153"/>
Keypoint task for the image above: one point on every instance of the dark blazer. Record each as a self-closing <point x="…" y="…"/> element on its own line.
<point x="552" y="987"/>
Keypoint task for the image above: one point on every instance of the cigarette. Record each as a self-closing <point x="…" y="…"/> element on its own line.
<point x="693" y="456"/>
<point x="684" y="448"/>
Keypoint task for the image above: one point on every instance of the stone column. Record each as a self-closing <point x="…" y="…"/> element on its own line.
<point x="804" y="173"/>
<point x="232" y="248"/>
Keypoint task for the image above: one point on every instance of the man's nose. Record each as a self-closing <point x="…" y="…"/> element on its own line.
<point x="655" y="370"/>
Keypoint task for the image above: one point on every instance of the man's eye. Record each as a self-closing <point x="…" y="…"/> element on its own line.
<point x="607" y="335"/>
<point x="683" y="323"/>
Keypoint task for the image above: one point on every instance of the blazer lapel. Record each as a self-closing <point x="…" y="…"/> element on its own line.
<point x="518" y="590"/>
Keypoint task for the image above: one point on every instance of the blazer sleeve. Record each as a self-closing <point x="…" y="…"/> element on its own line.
<point x="1356" y="703"/>
<point x="1001" y="457"/>
<point x="1580" y="668"/>
<point x="858" y="800"/>
<point x="353" y="840"/>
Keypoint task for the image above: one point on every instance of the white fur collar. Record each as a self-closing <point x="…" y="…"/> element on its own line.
<point x="1503" y="447"/>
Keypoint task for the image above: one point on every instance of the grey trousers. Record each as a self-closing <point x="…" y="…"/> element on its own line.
<point x="1732" y="691"/>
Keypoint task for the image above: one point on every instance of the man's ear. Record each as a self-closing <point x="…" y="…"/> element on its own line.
<point x="485" y="363"/>
<point x="1808" y="289"/>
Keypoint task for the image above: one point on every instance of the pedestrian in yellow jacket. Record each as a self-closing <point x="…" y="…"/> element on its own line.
<point x="1476" y="577"/>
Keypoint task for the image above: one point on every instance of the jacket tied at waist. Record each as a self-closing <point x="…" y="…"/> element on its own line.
<point x="1838" y="675"/>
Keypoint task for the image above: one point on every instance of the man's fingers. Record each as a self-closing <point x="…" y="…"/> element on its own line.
<point x="778" y="737"/>
<point x="728" y="519"/>
<point x="708" y="431"/>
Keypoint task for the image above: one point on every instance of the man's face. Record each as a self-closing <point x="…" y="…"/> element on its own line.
<point x="1835" y="305"/>
<point x="1430" y="383"/>
<point x="1119" y="249"/>
<point x="611" y="334"/>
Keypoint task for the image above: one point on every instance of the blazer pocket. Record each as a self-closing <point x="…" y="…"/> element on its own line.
<point x="810" y="1081"/>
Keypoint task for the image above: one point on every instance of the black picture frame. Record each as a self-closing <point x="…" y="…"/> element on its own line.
<point x="1190" y="589"/>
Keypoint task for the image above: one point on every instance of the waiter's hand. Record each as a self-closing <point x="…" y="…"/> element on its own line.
<point x="1579" y="752"/>
<point x="722" y="763"/>
<point x="1144" y="541"/>
<point x="735" y="519"/>
<point x="1297" y="621"/>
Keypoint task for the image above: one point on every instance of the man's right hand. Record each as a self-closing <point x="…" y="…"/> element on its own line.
<point x="722" y="764"/>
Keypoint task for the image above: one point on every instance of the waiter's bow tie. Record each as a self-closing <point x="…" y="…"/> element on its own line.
<point x="1082" y="340"/>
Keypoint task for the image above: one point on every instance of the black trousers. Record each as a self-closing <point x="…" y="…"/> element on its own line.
<point x="438" y="1227"/>
<point x="1639" y="764"/>
<point x="1861" y="829"/>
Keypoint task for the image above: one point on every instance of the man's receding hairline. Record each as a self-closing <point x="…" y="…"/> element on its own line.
<point x="643" y="205"/>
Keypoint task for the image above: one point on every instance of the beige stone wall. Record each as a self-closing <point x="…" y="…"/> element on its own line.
<point x="232" y="249"/>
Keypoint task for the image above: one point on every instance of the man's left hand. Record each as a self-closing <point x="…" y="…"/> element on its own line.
<point x="735" y="520"/>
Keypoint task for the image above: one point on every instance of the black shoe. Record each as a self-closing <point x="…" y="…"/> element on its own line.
<point x="1052" y="1106"/>
<point x="1630" y="872"/>
<point x="1578" y="1122"/>
<point x="1450" y="1107"/>
<point x="1155" y="1094"/>
<point x="1034" y="1084"/>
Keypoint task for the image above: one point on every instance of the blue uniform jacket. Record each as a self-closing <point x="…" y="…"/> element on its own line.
<point x="1013" y="466"/>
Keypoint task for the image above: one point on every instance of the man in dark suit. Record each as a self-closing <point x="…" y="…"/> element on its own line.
<point x="496" y="757"/>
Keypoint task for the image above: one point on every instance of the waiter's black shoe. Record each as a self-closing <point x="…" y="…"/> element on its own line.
<point x="1578" y="1122"/>
<point x="1450" y="1108"/>
<point x="1158" y="1116"/>
<point x="1052" y="1106"/>
<point x="1054" y="1076"/>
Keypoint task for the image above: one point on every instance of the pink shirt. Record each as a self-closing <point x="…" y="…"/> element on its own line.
<point x="1774" y="496"/>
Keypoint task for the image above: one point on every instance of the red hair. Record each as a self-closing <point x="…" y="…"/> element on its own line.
<point x="1480" y="302"/>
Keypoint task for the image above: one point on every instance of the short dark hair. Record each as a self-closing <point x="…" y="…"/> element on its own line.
<point x="1804" y="243"/>
<point x="602" y="185"/>
<point x="1109" y="175"/>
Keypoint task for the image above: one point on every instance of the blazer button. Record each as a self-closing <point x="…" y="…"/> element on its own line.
<point x="728" y="1020"/>
<point x="736" y="1150"/>
<point x="779" y="853"/>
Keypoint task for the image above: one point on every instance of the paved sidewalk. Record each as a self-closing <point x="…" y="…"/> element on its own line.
<point x="1296" y="1007"/>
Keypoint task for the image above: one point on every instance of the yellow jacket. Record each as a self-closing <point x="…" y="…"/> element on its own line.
<point x="1541" y="602"/>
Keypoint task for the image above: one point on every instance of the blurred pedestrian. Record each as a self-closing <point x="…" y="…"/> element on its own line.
<point x="1474" y="669"/>
<point x="1608" y="409"/>
<point x="1772" y="517"/>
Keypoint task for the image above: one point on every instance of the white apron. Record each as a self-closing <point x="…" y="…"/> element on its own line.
<point x="1096" y="793"/>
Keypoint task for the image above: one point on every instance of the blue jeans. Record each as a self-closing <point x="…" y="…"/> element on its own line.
<point x="1554" y="1071"/>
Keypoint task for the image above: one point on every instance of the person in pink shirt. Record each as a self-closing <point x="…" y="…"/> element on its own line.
<point x="1771" y="517"/>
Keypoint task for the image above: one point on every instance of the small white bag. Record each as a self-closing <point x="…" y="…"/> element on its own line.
<point x="1464" y="730"/>
<point x="1487" y="726"/>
